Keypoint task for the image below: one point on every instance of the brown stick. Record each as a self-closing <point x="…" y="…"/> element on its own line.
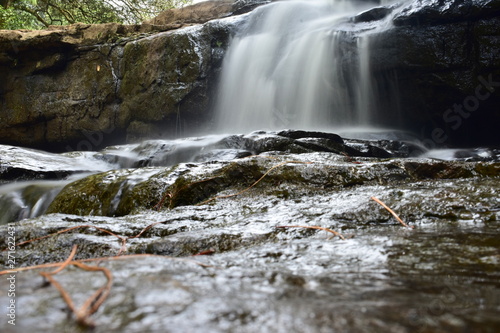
<point x="92" y="304"/>
<point x="57" y="285"/>
<point x="392" y="212"/>
<point x="66" y="262"/>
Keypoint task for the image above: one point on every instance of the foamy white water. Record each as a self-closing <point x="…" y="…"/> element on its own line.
<point x="297" y="65"/>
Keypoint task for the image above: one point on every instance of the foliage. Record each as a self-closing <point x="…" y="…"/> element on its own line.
<point x="36" y="14"/>
<point x="14" y="19"/>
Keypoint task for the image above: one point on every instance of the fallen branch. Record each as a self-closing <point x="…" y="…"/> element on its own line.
<point x="92" y="304"/>
<point x="392" y="212"/>
<point x="313" y="227"/>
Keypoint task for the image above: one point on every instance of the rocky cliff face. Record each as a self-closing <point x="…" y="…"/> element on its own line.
<point x="442" y="58"/>
<point x="82" y="87"/>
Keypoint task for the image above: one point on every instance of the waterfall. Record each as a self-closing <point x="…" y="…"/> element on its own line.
<point x="298" y="64"/>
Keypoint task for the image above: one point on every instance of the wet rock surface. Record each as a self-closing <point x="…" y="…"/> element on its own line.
<point x="209" y="255"/>
<point x="441" y="56"/>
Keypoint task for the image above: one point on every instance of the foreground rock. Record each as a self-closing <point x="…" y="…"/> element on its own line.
<point x="443" y="275"/>
<point x="265" y="272"/>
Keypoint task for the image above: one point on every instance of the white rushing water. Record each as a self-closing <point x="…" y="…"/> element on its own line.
<point x="299" y="64"/>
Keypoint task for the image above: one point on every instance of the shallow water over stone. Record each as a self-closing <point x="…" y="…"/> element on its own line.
<point x="441" y="276"/>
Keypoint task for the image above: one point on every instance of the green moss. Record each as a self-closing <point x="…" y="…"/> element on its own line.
<point x="133" y="66"/>
<point x="106" y="194"/>
<point x="142" y="196"/>
<point x="488" y="169"/>
<point x="438" y="170"/>
<point x="189" y="191"/>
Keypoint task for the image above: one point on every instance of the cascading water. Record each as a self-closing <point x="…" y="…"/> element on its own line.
<point x="299" y="64"/>
<point x="296" y="64"/>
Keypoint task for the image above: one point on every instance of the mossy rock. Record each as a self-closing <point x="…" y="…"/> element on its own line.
<point x="190" y="191"/>
<point x="440" y="170"/>
<point x="122" y="192"/>
<point x="113" y="193"/>
<point x="127" y="191"/>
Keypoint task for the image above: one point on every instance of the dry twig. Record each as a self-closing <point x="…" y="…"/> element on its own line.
<point x="92" y="304"/>
<point x="391" y="211"/>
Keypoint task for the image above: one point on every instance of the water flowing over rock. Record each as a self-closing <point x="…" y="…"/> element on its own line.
<point x="425" y="66"/>
<point x="264" y="272"/>
<point x="297" y="65"/>
<point x="82" y="87"/>
<point x="31" y="179"/>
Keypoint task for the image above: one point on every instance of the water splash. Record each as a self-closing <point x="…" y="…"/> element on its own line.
<point x="299" y="64"/>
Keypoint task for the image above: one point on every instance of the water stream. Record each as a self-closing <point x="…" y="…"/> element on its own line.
<point x="301" y="64"/>
<point x="296" y="64"/>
